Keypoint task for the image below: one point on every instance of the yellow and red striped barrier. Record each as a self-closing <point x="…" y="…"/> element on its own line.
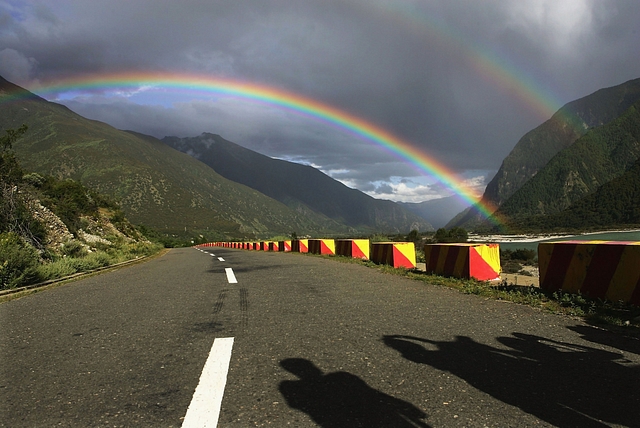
<point x="284" y="246"/>
<point x="354" y="248"/>
<point x="598" y="269"/>
<point x="396" y="254"/>
<point x="479" y="261"/>
<point x="322" y="246"/>
<point x="300" y="245"/>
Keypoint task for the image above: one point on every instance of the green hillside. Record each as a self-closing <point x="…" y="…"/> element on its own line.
<point x="156" y="185"/>
<point x="598" y="157"/>
<point x="537" y="147"/>
<point x="615" y="204"/>
<point x="302" y="188"/>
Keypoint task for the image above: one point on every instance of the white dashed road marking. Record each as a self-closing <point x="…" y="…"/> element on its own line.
<point x="204" y="409"/>
<point x="221" y="259"/>
<point x="231" y="277"/>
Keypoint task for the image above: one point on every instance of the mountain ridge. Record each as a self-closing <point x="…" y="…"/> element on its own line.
<point x="537" y="147"/>
<point x="156" y="185"/>
<point x="300" y="187"/>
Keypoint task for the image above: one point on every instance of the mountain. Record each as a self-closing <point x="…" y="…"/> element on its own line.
<point x="616" y="204"/>
<point x="601" y="155"/>
<point x="302" y="188"/>
<point x="157" y="186"/>
<point x="536" y="148"/>
<point x="437" y="211"/>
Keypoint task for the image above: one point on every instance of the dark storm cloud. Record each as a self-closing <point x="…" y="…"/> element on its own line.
<point x="414" y="68"/>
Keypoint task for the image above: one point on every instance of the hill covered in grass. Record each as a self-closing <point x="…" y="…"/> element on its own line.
<point x="51" y="228"/>
<point x="157" y="186"/>
<point x="300" y="187"/>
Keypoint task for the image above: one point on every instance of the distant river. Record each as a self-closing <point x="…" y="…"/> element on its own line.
<point x="605" y="236"/>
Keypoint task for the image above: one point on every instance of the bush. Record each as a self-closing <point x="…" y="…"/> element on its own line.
<point x="18" y="261"/>
<point x="69" y="265"/>
<point x="511" y="267"/>
<point x="73" y="249"/>
<point x="456" y="234"/>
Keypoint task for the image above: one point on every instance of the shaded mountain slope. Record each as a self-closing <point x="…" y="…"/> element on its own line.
<point x="438" y="212"/>
<point x="302" y="188"/>
<point x="601" y="155"/>
<point x="615" y="204"/>
<point x="537" y="147"/>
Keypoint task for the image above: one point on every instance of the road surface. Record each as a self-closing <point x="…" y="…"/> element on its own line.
<point x="246" y="338"/>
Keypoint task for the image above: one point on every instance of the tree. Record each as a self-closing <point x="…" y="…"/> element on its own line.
<point x="456" y="234"/>
<point x="10" y="171"/>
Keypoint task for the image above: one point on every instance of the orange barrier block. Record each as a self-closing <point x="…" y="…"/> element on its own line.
<point x="355" y="248"/>
<point x="273" y="246"/>
<point x="322" y="246"/>
<point x="396" y="254"/>
<point x="284" y="246"/>
<point x="479" y="261"/>
<point x="300" y="245"/>
<point x="598" y="269"/>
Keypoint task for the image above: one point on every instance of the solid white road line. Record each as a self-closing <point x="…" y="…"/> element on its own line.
<point x="221" y="259"/>
<point x="231" y="277"/>
<point x="204" y="409"/>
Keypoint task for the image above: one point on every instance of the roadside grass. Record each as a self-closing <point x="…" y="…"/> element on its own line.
<point x="64" y="266"/>
<point x="54" y="268"/>
<point x="594" y="311"/>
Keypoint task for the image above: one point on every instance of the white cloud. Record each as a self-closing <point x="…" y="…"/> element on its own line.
<point x="406" y="191"/>
<point x="16" y="67"/>
<point x="555" y="23"/>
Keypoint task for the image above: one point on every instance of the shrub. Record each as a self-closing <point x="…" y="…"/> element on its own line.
<point x="18" y="261"/>
<point x="73" y="249"/>
<point x="70" y="265"/>
<point x="511" y="267"/>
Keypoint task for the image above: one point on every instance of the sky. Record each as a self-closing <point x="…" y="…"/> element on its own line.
<point x="461" y="81"/>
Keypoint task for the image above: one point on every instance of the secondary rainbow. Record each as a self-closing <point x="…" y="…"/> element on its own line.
<point x="488" y="63"/>
<point x="275" y="97"/>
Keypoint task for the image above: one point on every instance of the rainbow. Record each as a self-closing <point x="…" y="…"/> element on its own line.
<point x="487" y="63"/>
<point x="279" y="98"/>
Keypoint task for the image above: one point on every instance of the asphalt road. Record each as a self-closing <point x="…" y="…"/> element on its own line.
<point x="315" y="343"/>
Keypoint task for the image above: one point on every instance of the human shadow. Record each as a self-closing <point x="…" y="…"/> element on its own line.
<point x="561" y="383"/>
<point x="623" y="342"/>
<point x="341" y="399"/>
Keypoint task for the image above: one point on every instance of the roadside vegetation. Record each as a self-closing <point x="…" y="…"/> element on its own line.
<point x="594" y="311"/>
<point x="52" y="228"/>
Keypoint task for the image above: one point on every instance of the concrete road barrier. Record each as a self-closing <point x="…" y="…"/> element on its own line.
<point x="322" y="246"/>
<point x="463" y="260"/>
<point x="355" y="248"/>
<point x="396" y="254"/>
<point x="598" y="269"/>
<point x="284" y="246"/>
<point x="300" y="245"/>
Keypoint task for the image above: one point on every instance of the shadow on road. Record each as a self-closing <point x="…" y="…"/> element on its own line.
<point x="341" y="399"/>
<point x="561" y="383"/>
<point x="628" y="343"/>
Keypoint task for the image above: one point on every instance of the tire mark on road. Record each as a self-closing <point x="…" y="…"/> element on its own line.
<point x="220" y="302"/>
<point x="244" y="308"/>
